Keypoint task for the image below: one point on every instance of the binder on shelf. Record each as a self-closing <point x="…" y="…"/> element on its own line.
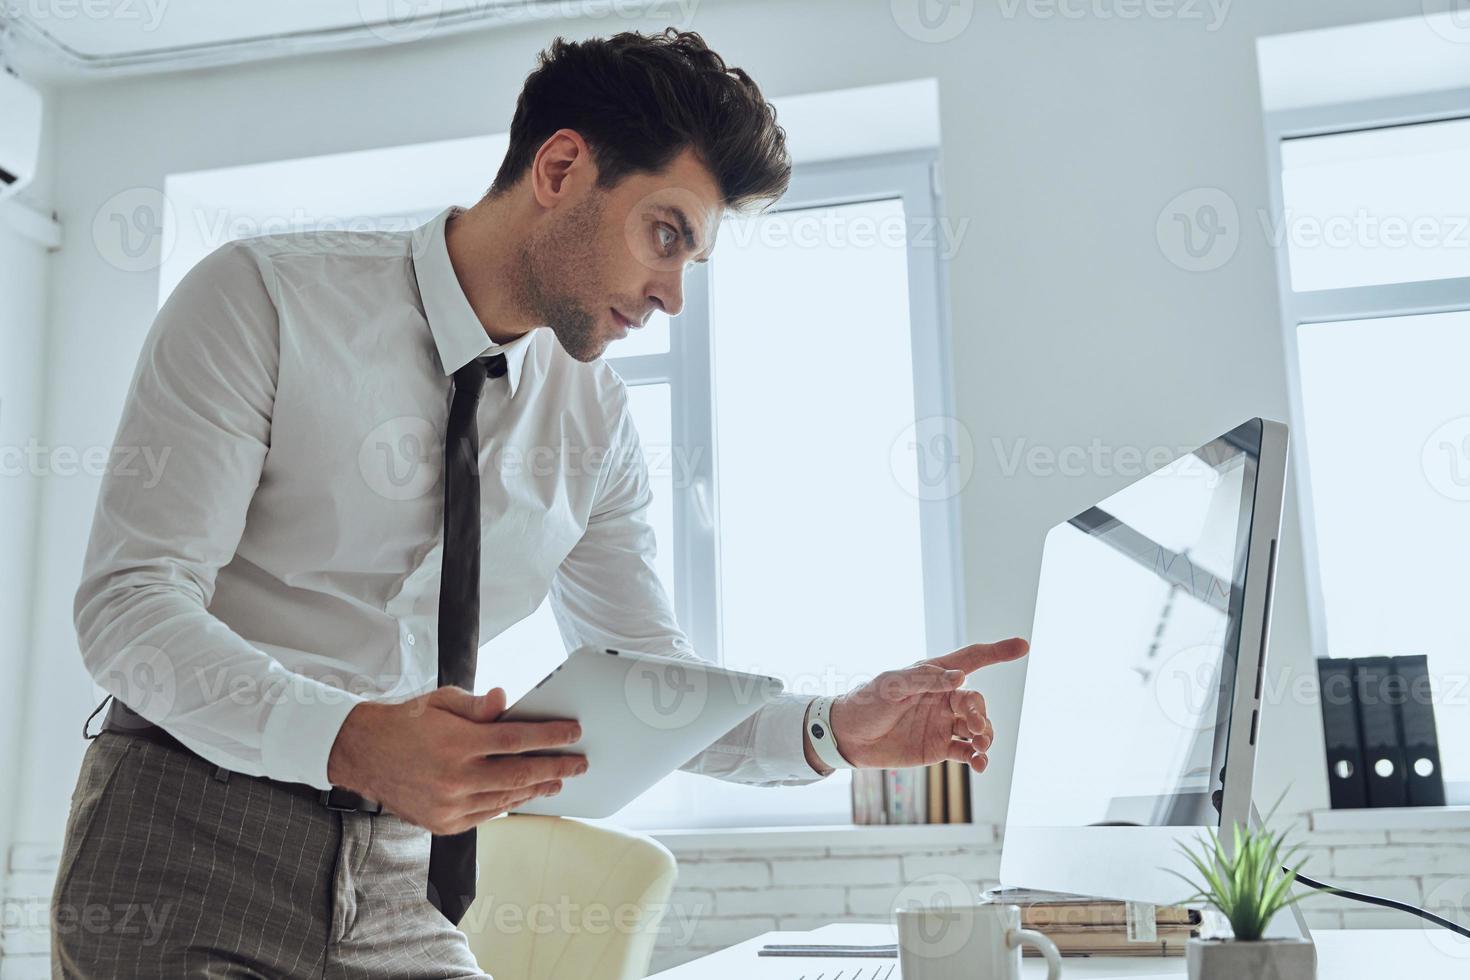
<point x="1378" y="695"/>
<point x="935" y="775"/>
<point x="956" y="792"/>
<point x="1345" y="781"/>
<point x="1419" y="735"/>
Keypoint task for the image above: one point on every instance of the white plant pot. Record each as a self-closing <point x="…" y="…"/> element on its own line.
<point x="1268" y="959"/>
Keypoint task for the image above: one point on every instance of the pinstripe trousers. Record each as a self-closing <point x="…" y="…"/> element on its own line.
<point x="174" y="868"/>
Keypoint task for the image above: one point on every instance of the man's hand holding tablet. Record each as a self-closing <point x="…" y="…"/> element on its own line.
<point x="445" y="763"/>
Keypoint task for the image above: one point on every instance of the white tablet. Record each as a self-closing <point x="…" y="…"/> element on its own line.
<point x="643" y="716"/>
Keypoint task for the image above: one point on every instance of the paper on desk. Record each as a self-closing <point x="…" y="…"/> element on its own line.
<point x="853" y="934"/>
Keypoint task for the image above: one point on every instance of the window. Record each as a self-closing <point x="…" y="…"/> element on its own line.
<point x="1375" y="274"/>
<point x="796" y="421"/>
<point x="790" y="465"/>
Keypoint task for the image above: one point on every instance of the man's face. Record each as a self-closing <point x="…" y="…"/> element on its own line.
<point x="610" y="259"/>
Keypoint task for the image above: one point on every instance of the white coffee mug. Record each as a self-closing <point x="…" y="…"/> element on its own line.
<point x="967" y="942"/>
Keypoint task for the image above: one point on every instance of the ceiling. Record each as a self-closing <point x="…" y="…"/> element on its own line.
<point x="71" y="39"/>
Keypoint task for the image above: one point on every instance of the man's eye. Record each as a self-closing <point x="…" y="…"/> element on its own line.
<point x="667" y="237"/>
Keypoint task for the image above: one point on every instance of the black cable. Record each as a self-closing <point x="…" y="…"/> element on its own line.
<point x="1387" y="903"/>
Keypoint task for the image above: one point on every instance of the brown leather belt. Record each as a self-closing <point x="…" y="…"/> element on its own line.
<point x="122" y="720"/>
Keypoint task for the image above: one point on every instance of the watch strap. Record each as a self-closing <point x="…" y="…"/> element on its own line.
<point x="819" y="731"/>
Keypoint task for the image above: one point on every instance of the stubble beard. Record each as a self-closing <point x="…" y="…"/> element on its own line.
<point x="552" y="263"/>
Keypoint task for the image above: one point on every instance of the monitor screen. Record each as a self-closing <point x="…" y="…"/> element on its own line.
<point x="1133" y="651"/>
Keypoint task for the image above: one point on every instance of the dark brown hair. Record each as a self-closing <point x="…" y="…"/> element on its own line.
<point x="640" y="100"/>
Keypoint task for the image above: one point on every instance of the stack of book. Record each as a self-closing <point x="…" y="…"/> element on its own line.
<point x="1082" y="926"/>
<point x="933" y="794"/>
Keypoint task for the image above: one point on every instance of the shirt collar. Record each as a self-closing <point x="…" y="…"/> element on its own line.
<point x="458" y="333"/>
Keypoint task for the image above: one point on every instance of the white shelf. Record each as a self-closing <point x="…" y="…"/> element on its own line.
<point x="1393" y="818"/>
<point x="759" y="839"/>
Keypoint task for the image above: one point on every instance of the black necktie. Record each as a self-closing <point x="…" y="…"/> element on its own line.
<point x="452" y="859"/>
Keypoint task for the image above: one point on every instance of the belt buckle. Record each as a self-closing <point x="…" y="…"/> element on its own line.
<point x="346" y="801"/>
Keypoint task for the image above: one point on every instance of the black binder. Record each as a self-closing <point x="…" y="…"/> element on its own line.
<point x="1348" y="789"/>
<point x="1379" y="694"/>
<point x="1420" y="739"/>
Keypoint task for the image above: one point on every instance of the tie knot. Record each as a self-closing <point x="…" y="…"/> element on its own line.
<point x="471" y="377"/>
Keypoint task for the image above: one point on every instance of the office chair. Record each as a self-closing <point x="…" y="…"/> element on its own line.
<point x="560" y="898"/>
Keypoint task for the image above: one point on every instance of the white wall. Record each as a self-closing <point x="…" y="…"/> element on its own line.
<point x="23" y="334"/>
<point x="1064" y="138"/>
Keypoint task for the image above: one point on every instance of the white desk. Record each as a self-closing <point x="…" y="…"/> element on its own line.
<point x="1356" y="954"/>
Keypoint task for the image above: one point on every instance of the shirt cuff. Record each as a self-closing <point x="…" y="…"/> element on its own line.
<point x="301" y="729"/>
<point x="780" y="740"/>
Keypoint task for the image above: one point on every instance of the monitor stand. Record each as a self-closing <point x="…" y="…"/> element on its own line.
<point x="1282" y="926"/>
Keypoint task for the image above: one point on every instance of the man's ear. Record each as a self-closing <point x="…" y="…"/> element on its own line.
<point x="561" y="166"/>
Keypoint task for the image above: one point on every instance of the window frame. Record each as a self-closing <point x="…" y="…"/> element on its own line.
<point x="1381" y="301"/>
<point x="912" y="177"/>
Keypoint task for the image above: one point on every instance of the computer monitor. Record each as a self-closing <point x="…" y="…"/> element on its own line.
<point x="1143" y="687"/>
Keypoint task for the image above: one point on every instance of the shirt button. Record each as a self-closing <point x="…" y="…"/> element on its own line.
<point x="410" y="639"/>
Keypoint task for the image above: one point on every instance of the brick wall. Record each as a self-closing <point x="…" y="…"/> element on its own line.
<point x="727" y="894"/>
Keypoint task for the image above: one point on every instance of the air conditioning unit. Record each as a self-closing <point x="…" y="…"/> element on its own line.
<point x="20" y="133"/>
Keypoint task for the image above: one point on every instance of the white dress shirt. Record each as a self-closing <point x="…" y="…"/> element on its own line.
<point x="285" y="564"/>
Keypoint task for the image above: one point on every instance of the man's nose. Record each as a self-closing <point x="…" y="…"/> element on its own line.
<point x="668" y="294"/>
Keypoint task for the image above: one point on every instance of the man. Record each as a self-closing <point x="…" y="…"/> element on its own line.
<point x="289" y="777"/>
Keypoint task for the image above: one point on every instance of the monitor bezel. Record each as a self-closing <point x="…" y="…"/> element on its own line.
<point x="1138" y="863"/>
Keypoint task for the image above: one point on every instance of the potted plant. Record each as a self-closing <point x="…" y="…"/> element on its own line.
<point x="1248" y="886"/>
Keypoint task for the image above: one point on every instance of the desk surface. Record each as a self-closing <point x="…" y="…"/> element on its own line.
<point x="1355" y="954"/>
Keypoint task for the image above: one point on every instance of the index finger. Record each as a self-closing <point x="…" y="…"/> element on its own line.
<point x="978" y="655"/>
<point x="511" y="737"/>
